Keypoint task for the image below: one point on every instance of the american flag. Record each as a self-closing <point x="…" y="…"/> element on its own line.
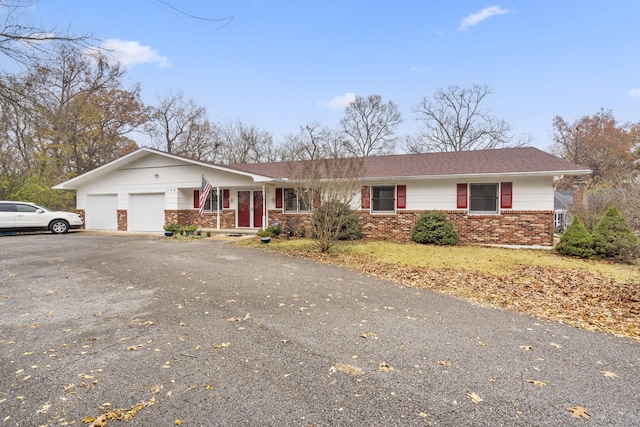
<point x="205" y="189"/>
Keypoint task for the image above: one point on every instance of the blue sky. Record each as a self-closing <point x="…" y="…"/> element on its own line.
<point x="283" y="64"/>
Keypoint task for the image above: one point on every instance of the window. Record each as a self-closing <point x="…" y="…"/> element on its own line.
<point x="26" y="208"/>
<point x="483" y="198"/>
<point x="383" y="199"/>
<point x="7" y="207"/>
<point x="296" y="200"/>
<point x="212" y="201"/>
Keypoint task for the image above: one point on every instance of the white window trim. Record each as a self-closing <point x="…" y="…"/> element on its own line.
<point x="395" y="200"/>
<point x="284" y="201"/>
<point x="497" y="211"/>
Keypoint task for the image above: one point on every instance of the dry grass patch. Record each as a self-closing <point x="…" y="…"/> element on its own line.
<point x="491" y="260"/>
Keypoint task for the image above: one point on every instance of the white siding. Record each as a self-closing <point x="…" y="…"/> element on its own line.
<point x="529" y="193"/>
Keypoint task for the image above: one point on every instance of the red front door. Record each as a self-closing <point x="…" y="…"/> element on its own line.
<point x="244" y="208"/>
<point x="250" y="214"/>
<point x="257" y="209"/>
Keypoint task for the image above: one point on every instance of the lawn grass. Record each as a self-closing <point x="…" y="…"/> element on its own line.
<point x="490" y="260"/>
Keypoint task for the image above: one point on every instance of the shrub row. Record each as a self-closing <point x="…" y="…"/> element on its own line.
<point x="611" y="238"/>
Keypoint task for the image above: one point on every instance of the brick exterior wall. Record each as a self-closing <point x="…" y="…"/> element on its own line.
<point x="82" y="214"/>
<point x="299" y="224"/>
<point x="122" y="219"/>
<point x="204" y="220"/>
<point x="529" y="228"/>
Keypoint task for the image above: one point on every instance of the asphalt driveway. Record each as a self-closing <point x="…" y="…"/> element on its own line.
<point x="206" y="333"/>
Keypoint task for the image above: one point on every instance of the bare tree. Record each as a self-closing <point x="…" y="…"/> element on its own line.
<point x="239" y="142"/>
<point x="26" y="43"/>
<point x="328" y="186"/>
<point x="455" y="121"/>
<point x="370" y="126"/>
<point x="314" y="142"/>
<point x="180" y="126"/>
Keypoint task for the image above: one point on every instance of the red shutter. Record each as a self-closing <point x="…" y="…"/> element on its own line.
<point x="278" y="198"/>
<point x="506" y="190"/>
<point x="462" y="196"/>
<point x="317" y="199"/>
<point x="196" y="199"/>
<point x="225" y="198"/>
<point x="401" y="196"/>
<point x="365" y="198"/>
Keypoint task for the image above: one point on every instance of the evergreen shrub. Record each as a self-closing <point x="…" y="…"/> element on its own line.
<point x="435" y="228"/>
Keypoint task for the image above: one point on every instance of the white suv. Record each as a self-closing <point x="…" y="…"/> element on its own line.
<point x="23" y="216"/>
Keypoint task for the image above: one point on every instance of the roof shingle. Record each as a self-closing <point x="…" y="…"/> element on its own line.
<point x="527" y="160"/>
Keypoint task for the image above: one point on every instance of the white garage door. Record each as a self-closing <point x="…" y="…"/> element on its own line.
<point x="146" y="212"/>
<point x="101" y="212"/>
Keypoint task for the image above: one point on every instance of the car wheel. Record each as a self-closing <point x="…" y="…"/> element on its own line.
<point x="59" y="226"/>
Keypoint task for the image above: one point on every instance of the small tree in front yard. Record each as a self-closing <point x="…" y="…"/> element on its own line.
<point x="613" y="238"/>
<point x="328" y="187"/>
<point x="332" y="221"/>
<point x="434" y="227"/>
<point x="576" y="241"/>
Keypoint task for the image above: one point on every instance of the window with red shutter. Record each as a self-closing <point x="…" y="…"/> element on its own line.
<point x="225" y="198"/>
<point x="278" y="198"/>
<point x="365" y="198"/>
<point x="462" y="196"/>
<point x="506" y="191"/>
<point x="401" y="196"/>
<point x="196" y="199"/>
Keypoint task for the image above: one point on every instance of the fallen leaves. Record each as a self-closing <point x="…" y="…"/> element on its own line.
<point x="239" y="319"/>
<point x="536" y="383"/>
<point x="475" y="398"/>
<point x="349" y="369"/>
<point x="609" y="374"/>
<point x="222" y="345"/>
<point x="367" y="335"/>
<point x="385" y="367"/>
<point x="125" y="415"/>
<point x="579" y="412"/>
<point x="580" y="298"/>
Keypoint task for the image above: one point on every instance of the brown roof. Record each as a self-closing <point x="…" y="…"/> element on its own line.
<point x="526" y="160"/>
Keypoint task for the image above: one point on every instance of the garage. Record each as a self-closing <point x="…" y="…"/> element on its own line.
<point x="101" y="212"/>
<point x="146" y="212"/>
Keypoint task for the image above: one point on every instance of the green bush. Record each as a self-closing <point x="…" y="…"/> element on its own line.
<point x="576" y="241"/>
<point x="613" y="238"/>
<point x="270" y="231"/>
<point x="173" y="227"/>
<point x="435" y="228"/>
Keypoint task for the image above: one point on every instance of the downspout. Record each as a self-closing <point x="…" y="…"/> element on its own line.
<point x="218" y="208"/>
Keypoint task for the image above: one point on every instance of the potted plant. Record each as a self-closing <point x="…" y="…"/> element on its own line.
<point x="190" y="229"/>
<point x="265" y="235"/>
<point x="170" y="228"/>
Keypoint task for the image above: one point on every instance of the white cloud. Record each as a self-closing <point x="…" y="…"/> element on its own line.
<point x="341" y="101"/>
<point x="478" y="17"/>
<point x="634" y="93"/>
<point x="131" y="53"/>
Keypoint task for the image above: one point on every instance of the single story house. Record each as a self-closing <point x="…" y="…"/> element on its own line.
<point x="501" y="196"/>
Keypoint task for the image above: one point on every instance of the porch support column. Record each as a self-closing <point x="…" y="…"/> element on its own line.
<point x="265" y="211"/>
<point x="218" y="208"/>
